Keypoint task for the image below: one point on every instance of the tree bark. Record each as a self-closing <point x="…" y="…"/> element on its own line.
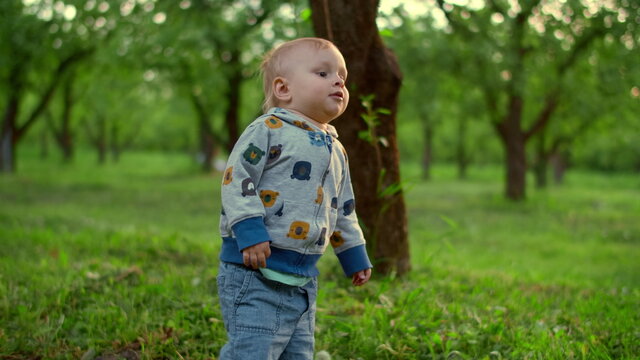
<point x="65" y="137"/>
<point x="233" y="99"/>
<point x="101" y="140"/>
<point x="427" y="154"/>
<point x="559" y="162"/>
<point x="205" y="133"/>
<point x="373" y="69"/>
<point x="115" y="143"/>
<point x="514" y="142"/>
<point x="7" y="136"/>
<point x="9" y="123"/>
<point x="461" y="148"/>
<point x="540" y="167"/>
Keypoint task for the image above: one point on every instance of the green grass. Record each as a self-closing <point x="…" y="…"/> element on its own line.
<point x="120" y="260"/>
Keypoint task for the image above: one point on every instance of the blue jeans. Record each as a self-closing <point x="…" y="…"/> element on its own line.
<point x="265" y="319"/>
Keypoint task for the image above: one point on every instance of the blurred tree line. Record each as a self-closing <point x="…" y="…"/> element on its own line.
<point x="524" y="83"/>
<point x="530" y="83"/>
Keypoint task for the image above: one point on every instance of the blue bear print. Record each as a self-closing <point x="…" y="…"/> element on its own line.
<point x="317" y="138"/>
<point x="280" y="211"/>
<point x="348" y="207"/>
<point x="323" y="235"/>
<point x="301" y="170"/>
<point x="334" y="202"/>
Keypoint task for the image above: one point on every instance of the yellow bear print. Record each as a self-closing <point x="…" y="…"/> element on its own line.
<point x="298" y="230"/>
<point x="273" y="122"/>
<point x="228" y="177"/>
<point x="302" y="125"/>
<point x="268" y="197"/>
<point x="336" y="239"/>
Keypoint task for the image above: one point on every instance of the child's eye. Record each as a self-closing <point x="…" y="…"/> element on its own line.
<point x="322" y="73"/>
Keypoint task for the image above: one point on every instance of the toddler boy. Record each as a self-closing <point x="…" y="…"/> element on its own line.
<point x="286" y="195"/>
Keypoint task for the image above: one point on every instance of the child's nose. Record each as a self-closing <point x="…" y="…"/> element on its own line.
<point x="339" y="82"/>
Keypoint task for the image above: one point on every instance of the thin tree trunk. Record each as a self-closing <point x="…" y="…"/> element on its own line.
<point x="44" y="144"/>
<point x="101" y="140"/>
<point x="540" y="167"/>
<point x="115" y="141"/>
<point x="233" y="100"/>
<point x="461" y="148"/>
<point x="66" y="136"/>
<point x="205" y="133"/>
<point x="373" y="69"/>
<point x="427" y="154"/>
<point x="8" y="136"/>
<point x="559" y="164"/>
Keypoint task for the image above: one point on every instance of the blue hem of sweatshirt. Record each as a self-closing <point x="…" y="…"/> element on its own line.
<point x="354" y="260"/>
<point x="286" y="261"/>
<point x="252" y="231"/>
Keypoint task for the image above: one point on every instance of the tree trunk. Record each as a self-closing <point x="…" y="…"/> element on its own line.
<point x="427" y="154"/>
<point x="44" y="144"/>
<point x="461" y="148"/>
<point x="9" y="129"/>
<point x="233" y="99"/>
<point x="99" y="138"/>
<point x="65" y="138"/>
<point x="205" y="133"/>
<point x="101" y="142"/>
<point x="514" y="142"/>
<point x="540" y="168"/>
<point x="516" y="168"/>
<point x="373" y="69"/>
<point x="559" y="164"/>
<point x="115" y="143"/>
<point x="540" y="171"/>
<point x="7" y="136"/>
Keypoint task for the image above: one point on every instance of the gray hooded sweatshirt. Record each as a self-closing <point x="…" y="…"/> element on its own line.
<point x="288" y="182"/>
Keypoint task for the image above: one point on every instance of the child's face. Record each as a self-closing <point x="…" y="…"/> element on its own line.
<point x="314" y="82"/>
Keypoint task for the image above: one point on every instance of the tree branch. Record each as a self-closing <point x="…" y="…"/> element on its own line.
<point x="581" y="45"/>
<point x="550" y="104"/>
<point x="62" y="68"/>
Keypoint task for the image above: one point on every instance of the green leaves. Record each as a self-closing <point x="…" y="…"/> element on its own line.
<point x="371" y="119"/>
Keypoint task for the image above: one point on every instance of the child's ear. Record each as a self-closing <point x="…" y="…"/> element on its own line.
<point x="281" y="89"/>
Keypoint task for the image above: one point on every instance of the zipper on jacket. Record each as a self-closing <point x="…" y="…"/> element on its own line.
<point x="324" y="178"/>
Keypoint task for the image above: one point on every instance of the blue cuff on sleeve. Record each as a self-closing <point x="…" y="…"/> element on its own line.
<point x="354" y="260"/>
<point x="250" y="232"/>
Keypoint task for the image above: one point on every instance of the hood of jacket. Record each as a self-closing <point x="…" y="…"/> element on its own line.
<point x="297" y="120"/>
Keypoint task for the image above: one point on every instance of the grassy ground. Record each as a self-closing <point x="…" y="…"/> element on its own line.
<point x="120" y="262"/>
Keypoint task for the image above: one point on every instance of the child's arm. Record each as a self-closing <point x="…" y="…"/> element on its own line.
<point x="348" y="240"/>
<point x="243" y="209"/>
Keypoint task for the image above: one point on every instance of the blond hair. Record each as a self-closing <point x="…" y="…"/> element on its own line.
<point x="272" y="65"/>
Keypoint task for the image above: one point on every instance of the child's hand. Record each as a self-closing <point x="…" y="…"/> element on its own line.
<point x="256" y="256"/>
<point x="361" y="277"/>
